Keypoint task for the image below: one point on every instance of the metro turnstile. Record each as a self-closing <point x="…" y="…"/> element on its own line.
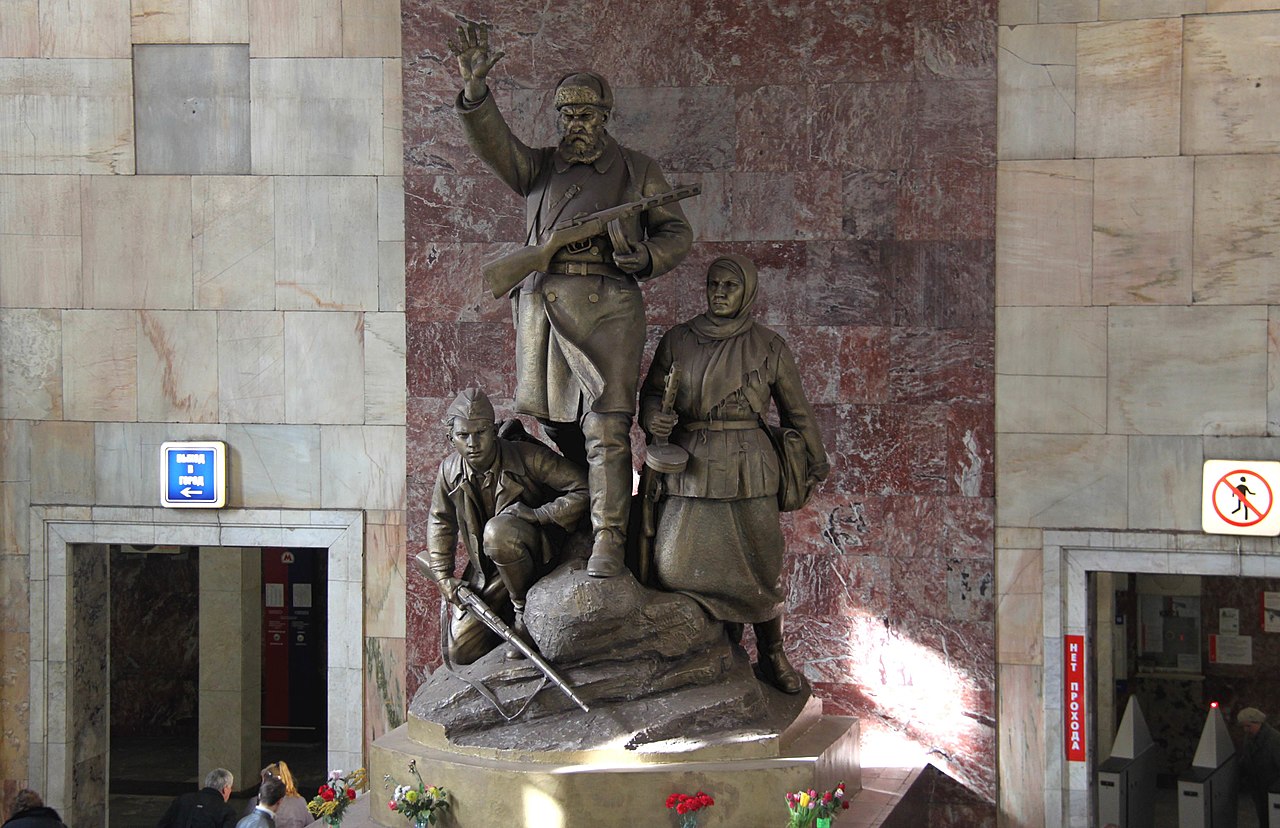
<point x="1207" y="792"/>
<point x="1127" y="780"/>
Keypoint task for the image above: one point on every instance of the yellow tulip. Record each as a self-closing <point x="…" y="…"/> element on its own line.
<point x="804" y="800"/>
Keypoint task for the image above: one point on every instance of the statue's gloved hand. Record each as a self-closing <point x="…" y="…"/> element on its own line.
<point x="449" y="588"/>
<point x="636" y="261"/>
<point x="661" y="425"/>
<point x="471" y="48"/>
<point x="525" y="513"/>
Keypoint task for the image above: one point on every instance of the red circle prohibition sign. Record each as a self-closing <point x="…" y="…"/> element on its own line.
<point x="1260" y="516"/>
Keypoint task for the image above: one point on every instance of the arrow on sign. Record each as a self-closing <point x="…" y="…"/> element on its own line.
<point x="187" y="491"/>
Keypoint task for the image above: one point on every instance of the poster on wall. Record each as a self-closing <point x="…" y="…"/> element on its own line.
<point x="1073" y="702"/>
<point x="1231" y="649"/>
<point x="1271" y="612"/>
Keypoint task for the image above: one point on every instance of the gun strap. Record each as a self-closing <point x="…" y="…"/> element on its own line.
<point x="446" y="634"/>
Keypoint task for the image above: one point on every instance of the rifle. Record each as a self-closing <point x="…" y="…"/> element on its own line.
<point x="475" y="605"/>
<point x="504" y="273"/>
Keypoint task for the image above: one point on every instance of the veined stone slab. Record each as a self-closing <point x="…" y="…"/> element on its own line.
<point x="190" y="21"/>
<point x="1017" y="12"/>
<point x="62" y="462"/>
<point x="177" y="375"/>
<point x="384" y="369"/>
<point x="1068" y="11"/>
<point x="295" y="28"/>
<point x="66" y="116"/>
<point x="1164" y="482"/>
<point x="1231" y="72"/>
<point x="1237" y="229"/>
<point x="1273" y="370"/>
<point x="1051" y="405"/>
<point x="20" y="28"/>
<point x="1139" y="9"/>
<point x="1142" y="231"/>
<point x="391" y="256"/>
<point x="1044" y="232"/>
<point x="384" y="593"/>
<point x="1241" y="5"/>
<point x="370" y="28"/>
<point x="251" y="367"/>
<point x="233" y="242"/>
<point x="84" y="28"/>
<point x="137" y="241"/>
<point x="326" y="243"/>
<point x="100" y="365"/>
<point x="192" y="105"/>
<point x="31" y="369"/>
<point x="1036" y="99"/>
<point x="393" y="117"/>
<point x="1021" y="734"/>
<point x="274" y="465"/>
<point x="1051" y="341"/>
<point x="1062" y="480"/>
<point x="324" y="368"/>
<point x="362" y="467"/>
<point x="1128" y="88"/>
<point x="1180" y="370"/>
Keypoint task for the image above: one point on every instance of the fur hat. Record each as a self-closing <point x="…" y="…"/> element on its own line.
<point x="1251" y="715"/>
<point x="584" y="89"/>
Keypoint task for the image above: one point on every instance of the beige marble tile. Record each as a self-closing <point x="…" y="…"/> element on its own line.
<point x="1241" y="5"/>
<point x="1052" y="480"/>
<point x="1230" y="71"/>
<point x="1164" y="482"/>
<point x="15" y="521"/>
<point x="1019" y="631"/>
<point x="1068" y="11"/>
<point x="362" y="467"/>
<point x="1020" y="729"/>
<point x="15" y="460"/>
<point x="1138" y="9"/>
<point x="1237" y="229"/>
<point x="40" y="241"/>
<point x="1019" y="571"/>
<point x="62" y="463"/>
<point x="384" y="369"/>
<point x="126" y="466"/>
<point x="392" y="117"/>
<point x="1036" y="92"/>
<point x="220" y="21"/>
<point x="1017" y="12"/>
<point x="84" y="29"/>
<point x="326" y="232"/>
<point x="137" y="242"/>
<point x="390" y="208"/>
<point x="1019" y="538"/>
<point x="1273" y="370"/>
<point x="295" y="28"/>
<point x="20" y="29"/>
<point x="1052" y="341"/>
<point x="31" y="367"/>
<point x="250" y="367"/>
<point x="233" y="242"/>
<point x="66" y="116"/>
<point x="371" y="28"/>
<point x="317" y="117"/>
<point x="100" y="365"/>
<point x="160" y="21"/>
<point x="324" y="367"/>
<point x="391" y="276"/>
<point x="1142" y="231"/>
<point x="1179" y="370"/>
<point x="385" y="667"/>
<point x="1051" y="405"/>
<point x="273" y="466"/>
<point x="190" y="21"/>
<point x="384" y="576"/>
<point x="1128" y="88"/>
<point x="15" y="698"/>
<point x="178" y="366"/>
<point x="1044" y="232"/>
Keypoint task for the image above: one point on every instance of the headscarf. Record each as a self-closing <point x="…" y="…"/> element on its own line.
<point x="740" y="348"/>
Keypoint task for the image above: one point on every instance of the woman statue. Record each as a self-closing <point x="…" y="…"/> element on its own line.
<point x="717" y="538"/>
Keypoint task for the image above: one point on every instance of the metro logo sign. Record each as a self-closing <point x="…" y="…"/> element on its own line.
<point x="1073" y="702"/>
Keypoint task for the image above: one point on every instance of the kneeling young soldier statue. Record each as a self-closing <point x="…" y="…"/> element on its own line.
<point x="512" y="503"/>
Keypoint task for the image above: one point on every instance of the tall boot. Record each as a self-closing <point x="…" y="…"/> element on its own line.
<point x="773" y="660"/>
<point x="609" y="472"/>
<point x="517" y="576"/>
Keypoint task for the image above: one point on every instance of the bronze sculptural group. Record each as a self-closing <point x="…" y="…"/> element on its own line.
<point x="601" y="219"/>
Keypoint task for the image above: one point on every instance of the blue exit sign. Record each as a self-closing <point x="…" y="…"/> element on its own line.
<point x="193" y="475"/>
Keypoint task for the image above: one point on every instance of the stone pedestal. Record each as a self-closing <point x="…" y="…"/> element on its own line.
<point x="747" y="772"/>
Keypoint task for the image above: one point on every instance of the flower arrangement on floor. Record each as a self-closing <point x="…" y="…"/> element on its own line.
<point x="418" y="803"/>
<point x="331" y="800"/>
<point x="688" y="806"/>
<point x="808" y="808"/>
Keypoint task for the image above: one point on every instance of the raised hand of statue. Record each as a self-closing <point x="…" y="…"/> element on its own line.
<point x="471" y="48"/>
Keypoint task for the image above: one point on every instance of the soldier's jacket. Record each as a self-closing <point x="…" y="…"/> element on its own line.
<point x="579" y="338"/>
<point x="529" y="473"/>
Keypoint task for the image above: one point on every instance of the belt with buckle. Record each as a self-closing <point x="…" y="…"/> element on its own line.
<point x="720" y="425"/>
<point x="584" y="269"/>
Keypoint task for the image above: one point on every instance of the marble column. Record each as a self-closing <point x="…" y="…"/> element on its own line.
<point x="231" y="662"/>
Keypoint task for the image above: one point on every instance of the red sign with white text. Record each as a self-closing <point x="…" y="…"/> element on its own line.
<point x="1073" y="703"/>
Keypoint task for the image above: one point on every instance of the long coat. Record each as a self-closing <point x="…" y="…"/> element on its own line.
<point x="529" y="473"/>
<point x="579" y="338"/>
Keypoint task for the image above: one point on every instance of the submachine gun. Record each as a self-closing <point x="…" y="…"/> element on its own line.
<point x="505" y="273"/>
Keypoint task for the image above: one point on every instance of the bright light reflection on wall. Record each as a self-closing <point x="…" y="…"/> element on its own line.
<point x="541" y="809"/>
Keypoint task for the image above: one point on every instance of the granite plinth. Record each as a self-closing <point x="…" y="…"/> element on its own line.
<point x="747" y="773"/>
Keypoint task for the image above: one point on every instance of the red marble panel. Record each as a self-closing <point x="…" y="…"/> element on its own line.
<point x="951" y="200"/>
<point x="763" y="206"/>
<point x="864" y="126"/>
<point x="433" y="140"/>
<point x="956" y="123"/>
<point x="932" y="365"/>
<point x="452" y="356"/>
<point x="422" y="628"/>
<point x="867" y="41"/>
<point x="443" y="282"/>
<point x="968" y="527"/>
<point x="840" y="364"/>
<point x="685" y="129"/>
<point x="645" y="43"/>
<point x="425" y="416"/>
<point x="970" y="450"/>
<point x="869" y="204"/>
<point x="454" y="208"/>
<point x="674" y="297"/>
<point x="956" y="49"/>
<point x="832" y="523"/>
<point x="735" y="43"/>
<point x="886" y="449"/>
<point x="819" y="205"/>
<point x="709" y="212"/>
<point x="951" y="11"/>
<point x="943" y="284"/>
<point x="841" y="283"/>
<point x="773" y="128"/>
<point x="836" y="587"/>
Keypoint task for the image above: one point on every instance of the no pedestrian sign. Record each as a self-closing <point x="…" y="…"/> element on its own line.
<point x="193" y="475"/>
<point x="1239" y="497"/>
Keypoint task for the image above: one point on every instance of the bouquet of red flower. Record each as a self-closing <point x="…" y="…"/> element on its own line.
<point x="688" y="806"/>
<point x="333" y="797"/>
<point x="808" y="808"/>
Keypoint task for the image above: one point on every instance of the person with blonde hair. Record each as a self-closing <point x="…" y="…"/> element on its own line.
<point x="292" y="811"/>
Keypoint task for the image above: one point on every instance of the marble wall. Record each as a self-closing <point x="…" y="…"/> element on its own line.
<point x="851" y="153"/>
<point x="1135" y="333"/>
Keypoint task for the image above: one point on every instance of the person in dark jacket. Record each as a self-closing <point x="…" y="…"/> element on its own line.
<point x="29" y="811"/>
<point x="205" y="808"/>
<point x="1259" y="758"/>
<point x="263" y="814"/>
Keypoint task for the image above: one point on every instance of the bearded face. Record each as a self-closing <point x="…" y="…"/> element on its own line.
<point x="582" y="131"/>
